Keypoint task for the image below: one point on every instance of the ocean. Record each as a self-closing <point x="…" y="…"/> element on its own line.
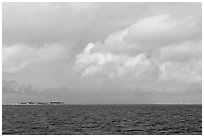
<point x="102" y="119"/>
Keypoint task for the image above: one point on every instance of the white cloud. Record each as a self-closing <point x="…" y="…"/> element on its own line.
<point x="186" y="51"/>
<point x="17" y="57"/>
<point x="108" y="63"/>
<point x="151" y="33"/>
<point x="153" y="51"/>
<point x="184" y="72"/>
<point x="163" y="29"/>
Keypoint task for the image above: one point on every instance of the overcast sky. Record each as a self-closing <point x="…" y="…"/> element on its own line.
<point x="102" y="52"/>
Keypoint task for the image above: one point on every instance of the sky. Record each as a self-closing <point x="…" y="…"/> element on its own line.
<point x="102" y="53"/>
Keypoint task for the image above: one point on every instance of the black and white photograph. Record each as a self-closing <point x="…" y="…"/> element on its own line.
<point x="101" y="68"/>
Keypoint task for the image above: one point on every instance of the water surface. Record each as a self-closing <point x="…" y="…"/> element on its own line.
<point x="102" y="119"/>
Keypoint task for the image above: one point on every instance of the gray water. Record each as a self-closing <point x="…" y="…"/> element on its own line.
<point x="102" y="119"/>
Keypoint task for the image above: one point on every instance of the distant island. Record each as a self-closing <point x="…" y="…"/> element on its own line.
<point x="40" y="103"/>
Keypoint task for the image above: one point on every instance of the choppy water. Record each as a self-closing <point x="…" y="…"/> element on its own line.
<point x="102" y="119"/>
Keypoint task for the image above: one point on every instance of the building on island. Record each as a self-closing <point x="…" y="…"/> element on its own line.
<point x="56" y="103"/>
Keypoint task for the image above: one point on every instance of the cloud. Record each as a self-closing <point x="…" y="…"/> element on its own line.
<point x="17" y="57"/>
<point x="79" y="23"/>
<point x="153" y="51"/>
<point x="110" y="64"/>
<point x="162" y="30"/>
<point x="186" y="51"/>
<point x="151" y="33"/>
<point x="27" y="89"/>
<point x="184" y="72"/>
<point x="65" y="23"/>
<point x="18" y="88"/>
<point x="102" y="53"/>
